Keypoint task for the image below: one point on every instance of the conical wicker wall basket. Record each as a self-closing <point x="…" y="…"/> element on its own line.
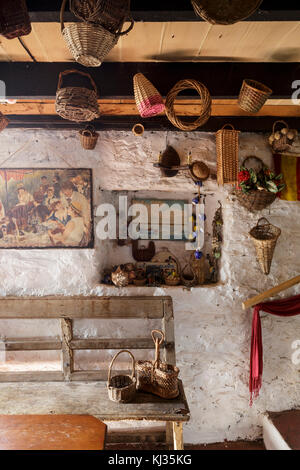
<point x="148" y="99"/>
<point x="265" y="237"/>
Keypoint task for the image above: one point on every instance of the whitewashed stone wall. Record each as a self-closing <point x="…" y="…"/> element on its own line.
<point x="212" y="330"/>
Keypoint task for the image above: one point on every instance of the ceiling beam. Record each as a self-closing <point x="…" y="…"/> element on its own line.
<point x="159" y="123"/>
<point x="114" y="79"/>
<point x="167" y="10"/>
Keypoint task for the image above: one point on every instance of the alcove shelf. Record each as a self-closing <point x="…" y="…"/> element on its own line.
<point x="163" y="286"/>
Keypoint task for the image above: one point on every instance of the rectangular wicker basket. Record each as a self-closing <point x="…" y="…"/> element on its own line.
<point x="227" y="144"/>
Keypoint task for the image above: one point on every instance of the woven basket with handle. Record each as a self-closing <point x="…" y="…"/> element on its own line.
<point x="89" y="43"/>
<point x="283" y="144"/>
<point x="76" y="103"/>
<point x="265" y="237"/>
<point x="14" y="19"/>
<point x="225" y="11"/>
<point x="253" y="95"/>
<point x="148" y="99"/>
<point x="121" y="388"/>
<point x="155" y="376"/>
<point x="227" y="144"/>
<point x="88" y="137"/>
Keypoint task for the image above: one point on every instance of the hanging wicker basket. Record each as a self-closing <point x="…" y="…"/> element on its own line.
<point x="205" y="109"/>
<point x="253" y="96"/>
<point x="282" y="142"/>
<point x="227" y="144"/>
<point x="3" y="122"/>
<point x="155" y="376"/>
<point x="14" y="19"/>
<point x="121" y="388"/>
<point x="148" y="100"/>
<point x="76" y="103"/>
<point x="89" y="43"/>
<point x="88" y="137"/>
<point x="225" y="11"/>
<point x="265" y="237"/>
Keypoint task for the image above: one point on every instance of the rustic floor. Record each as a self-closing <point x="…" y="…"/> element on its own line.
<point x="238" y="445"/>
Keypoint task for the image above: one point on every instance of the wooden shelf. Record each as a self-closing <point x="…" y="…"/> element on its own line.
<point x="163" y="286"/>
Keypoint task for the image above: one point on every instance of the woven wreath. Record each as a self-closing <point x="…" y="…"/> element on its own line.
<point x="205" y="104"/>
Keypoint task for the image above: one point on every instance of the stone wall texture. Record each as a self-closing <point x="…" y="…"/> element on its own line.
<point x="212" y="331"/>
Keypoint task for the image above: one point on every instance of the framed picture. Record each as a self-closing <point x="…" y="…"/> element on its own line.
<point x="46" y="208"/>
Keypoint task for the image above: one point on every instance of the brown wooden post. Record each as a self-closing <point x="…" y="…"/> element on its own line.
<point x="168" y="328"/>
<point x="67" y="352"/>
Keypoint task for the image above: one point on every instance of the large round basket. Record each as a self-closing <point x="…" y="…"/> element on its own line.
<point x="121" y="388"/>
<point x="225" y="11"/>
<point x="14" y="19"/>
<point x="265" y="238"/>
<point x="255" y="200"/>
<point x="148" y="99"/>
<point x="227" y="145"/>
<point x="253" y="95"/>
<point x="76" y="103"/>
<point x="205" y="106"/>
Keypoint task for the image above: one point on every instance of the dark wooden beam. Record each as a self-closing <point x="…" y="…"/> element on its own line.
<point x="167" y="10"/>
<point x="114" y="79"/>
<point x="161" y="123"/>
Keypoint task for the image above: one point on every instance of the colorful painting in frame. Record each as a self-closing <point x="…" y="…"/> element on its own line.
<point x="46" y="208"/>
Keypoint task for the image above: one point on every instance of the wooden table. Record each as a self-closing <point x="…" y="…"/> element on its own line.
<point x="51" y="432"/>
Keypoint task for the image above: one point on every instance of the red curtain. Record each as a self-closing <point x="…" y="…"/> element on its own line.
<point x="283" y="308"/>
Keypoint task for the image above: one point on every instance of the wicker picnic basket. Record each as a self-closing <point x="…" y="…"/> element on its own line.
<point x="76" y="103"/>
<point x="88" y="137"/>
<point x="148" y="99"/>
<point x="155" y="376"/>
<point x="225" y="11"/>
<point x="121" y="388"/>
<point x="227" y="144"/>
<point x="205" y="101"/>
<point x="14" y="19"/>
<point x="253" y="95"/>
<point x="3" y="122"/>
<point x="265" y="237"/>
<point x="89" y="43"/>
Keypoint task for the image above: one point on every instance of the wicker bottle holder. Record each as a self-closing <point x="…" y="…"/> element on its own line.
<point x="3" y="122"/>
<point x="89" y="43"/>
<point x="265" y="237"/>
<point x="148" y="100"/>
<point x="225" y="11"/>
<point x="283" y="144"/>
<point x="88" y="137"/>
<point x="198" y="267"/>
<point x="205" y="100"/>
<point x="121" y="388"/>
<point x="14" y="19"/>
<point x="253" y="96"/>
<point x="77" y="104"/>
<point x="155" y="376"/>
<point x="255" y="200"/>
<point x="227" y="144"/>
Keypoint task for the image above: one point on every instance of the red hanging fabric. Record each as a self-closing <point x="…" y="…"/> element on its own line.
<point x="283" y="308"/>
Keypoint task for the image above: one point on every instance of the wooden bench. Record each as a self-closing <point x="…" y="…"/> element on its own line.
<point x="71" y="391"/>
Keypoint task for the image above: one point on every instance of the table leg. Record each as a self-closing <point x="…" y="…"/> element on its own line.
<point x="177" y="436"/>
<point x="169" y="435"/>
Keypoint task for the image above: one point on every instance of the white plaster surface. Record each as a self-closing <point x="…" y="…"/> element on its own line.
<point x="212" y="330"/>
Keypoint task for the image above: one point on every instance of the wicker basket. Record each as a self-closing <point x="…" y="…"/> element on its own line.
<point x="253" y="95"/>
<point x="188" y="276"/>
<point x="121" y="388"/>
<point x="265" y="238"/>
<point x="205" y="104"/>
<point x="89" y="43"/>
<point x="3" y="122"/>
<point x="14" y="19"/>
<point x="225" y="11"/>
<point x="88" y="137"/>
<point x="155" y="376"/>
<point x="77" y="104"/>
<point x="148" y="100"/>
<point x="283" y="144"/>
<point x="227" y="144"/>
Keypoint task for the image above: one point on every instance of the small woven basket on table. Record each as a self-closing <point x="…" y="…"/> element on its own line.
<point x="121" y="388"/>
<point x="255" y="199"/>
<point x="225" y="11"/>
<point x="14" y="19"/>
<point x="88" y="137"/>
<point x="264" y="237"/>
<point x="89" y="43"/>
<point x="253" y="95"/>
<point x="227" y="144"/>
<point x="155" y="376"/>
<point x="77" y="103"/>
<point x="205" y="106"/>
<point x="148" y="99"/>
